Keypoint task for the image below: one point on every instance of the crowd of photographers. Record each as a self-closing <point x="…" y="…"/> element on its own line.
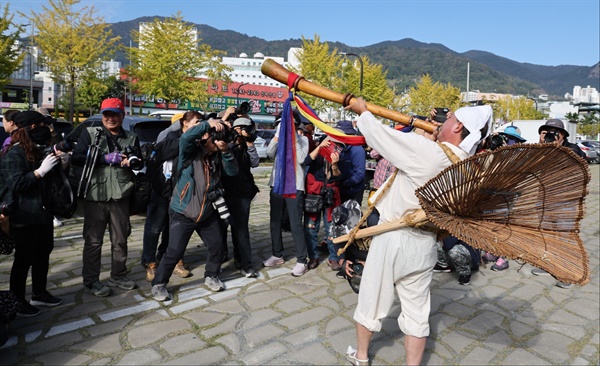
<point x="201" y="181"/>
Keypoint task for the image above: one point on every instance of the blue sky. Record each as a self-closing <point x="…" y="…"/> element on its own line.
<point x="543" y="32"/>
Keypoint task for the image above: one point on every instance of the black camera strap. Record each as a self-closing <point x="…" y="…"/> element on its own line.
<point x="111" y="141"/>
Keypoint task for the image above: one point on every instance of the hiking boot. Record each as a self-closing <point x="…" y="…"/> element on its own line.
<point x="28" y="311"/>
<point x="98" y="289"/>
<point x="299" y="269"/>
<point x="45" y="299"/>
<point x="160" y="293"/>
<point x="440" y="268"/>
<point x="180" y="270"/>
<point x="539" y="272"/>
<point x="464" y="280"/>
<point x="500" y="265"/>
<point x="335" y="265"/>
<point x="249" y="273"/>
<point x="313" y="263"/>
<point x="273" y="261"/>
<point x="150" y="271"/>
<point x="123" y="283"/>
<point x="489" y="257"/>
<point x="214" y="283"/>
<point x="564" y="285"/>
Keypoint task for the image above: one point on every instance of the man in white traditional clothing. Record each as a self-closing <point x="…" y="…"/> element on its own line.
<point x="403" y="259"/>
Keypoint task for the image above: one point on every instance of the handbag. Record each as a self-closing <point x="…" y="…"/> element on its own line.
<point x="313" y="203"/>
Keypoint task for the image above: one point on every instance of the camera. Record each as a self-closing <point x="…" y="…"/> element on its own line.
<point x="327" y="194"/>
<point x="216" y="197"/>
<point x="8" y="208"/>
<point x="357" y="269"/>
<point x="550" y="136"/>
<point x="497" y="141"/>
<point x="135" y="163"/>
<point x="64" y="146"/>
<point x="440" y="115"/>
<point x="250" y="130"/>
<point x="242" y="109"/>
<point x="225" y="135"/>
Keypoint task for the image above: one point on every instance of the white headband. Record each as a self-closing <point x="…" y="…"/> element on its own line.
<point x="474" y="118"/>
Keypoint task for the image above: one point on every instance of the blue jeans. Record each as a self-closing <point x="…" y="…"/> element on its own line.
<point x="311" y="233"/>
<point x="157" y="222"/>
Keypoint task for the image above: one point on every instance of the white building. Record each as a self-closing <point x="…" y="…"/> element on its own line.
<point x="246" y="69"/>
<point x="111" y="68"/>
<point x="585" y="95"/>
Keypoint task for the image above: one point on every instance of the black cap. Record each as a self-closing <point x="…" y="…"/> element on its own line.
<point x="28" y="118"/>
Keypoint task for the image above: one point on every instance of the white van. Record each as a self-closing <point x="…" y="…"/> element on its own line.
<point x="165" y="113"/>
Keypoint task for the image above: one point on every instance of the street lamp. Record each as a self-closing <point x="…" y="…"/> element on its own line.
<point x="360" y="85"/>
<point x="30" y="99"/>
<point x="535" y="101"/>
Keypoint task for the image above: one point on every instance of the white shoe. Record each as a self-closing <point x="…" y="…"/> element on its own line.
<point x="57" y="222"/>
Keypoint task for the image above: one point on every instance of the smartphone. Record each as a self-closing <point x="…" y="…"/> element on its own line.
<point x="326" y="151"/>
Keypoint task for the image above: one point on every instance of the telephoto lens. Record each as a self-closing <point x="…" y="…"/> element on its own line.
<point x="221" y="207"/>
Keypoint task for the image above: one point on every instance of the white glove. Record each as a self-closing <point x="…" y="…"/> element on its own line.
<point x="49" y="162"/>
<point x="64" y="158"/>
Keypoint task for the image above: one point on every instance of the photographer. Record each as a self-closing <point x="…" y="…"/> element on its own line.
<point x="196" y="204"/>
<point x="239" y="190"/>
<point x="111" y="184"/>
<point x="23" y="168"/>
<point x="554" y="131"/>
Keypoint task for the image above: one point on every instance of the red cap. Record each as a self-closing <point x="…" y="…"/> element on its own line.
<point x="112" y="105"/>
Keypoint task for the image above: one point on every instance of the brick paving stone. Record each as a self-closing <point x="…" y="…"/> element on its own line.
<point x="231" y="342"/>
<point x="260" y="317"/>
<point x="300" y="319"/>
<point x="264" y="298"/>
<point x="292" y="305"/>
<point x="63" y="358"/>
<point x="301" y="337"/>
<point x="187" y="306"/>
<point x="337" y="324"/>
<point x="143" y="335"/>
<point x="227" y="307"/>
<point x="314" y="354"/>
<point x="523" y="357"/>
<point x="266" y="355"/>
<point x="108" y="327"/>
<point x="144" y="356"/>
<point x="43" y="345"/>
<point x="69" y="327"/>
<point x="258" y="336"/>
<point x="478" y="356"/>
<point x="182" y="344"/>
<point x="209" y="356"/>
<point x="203" y="319"/>
<point x="227" y="326"/>
<point x="106" y="345"/>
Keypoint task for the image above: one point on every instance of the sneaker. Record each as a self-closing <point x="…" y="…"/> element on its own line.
<point x="160" y="293"/>
<point x="150" y="271"/>
<point x="464" y="280"/>
<point x="489" y="257"/>
<point x="98" y="289"/>
<point x="180" y="270"/>
<point x="299" y="269"/>
<point x="313" y="263"/>
<point x="564" y="285"/>
<point x="122" y="283"/>
<point x="440" y="268"/>
<point x="28" y="311"/>
<point x="335" y="265"/>
<point x="500" y="265"/>
<point x="214" y="283"/>
<point x="249" y="273"/>
<point x="273" y="261"/>
<point x="45" y="299"/>
<point x="57" y="222"/>
<point x="539" y="272"/>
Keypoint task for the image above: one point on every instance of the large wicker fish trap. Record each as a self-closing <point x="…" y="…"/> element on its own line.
<point x="524" y="202"/>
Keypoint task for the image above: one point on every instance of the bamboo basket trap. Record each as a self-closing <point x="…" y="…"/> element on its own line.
<point x="524" y="202"/>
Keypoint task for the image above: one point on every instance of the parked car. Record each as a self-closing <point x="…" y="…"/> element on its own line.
<point x="146" y="128"/>
<point x="261" y="147"/>
<point x="267" y="135"/>
<point x="591" y="155"/>
<point x="62" y="126"/>
<point x="592" y="145"/>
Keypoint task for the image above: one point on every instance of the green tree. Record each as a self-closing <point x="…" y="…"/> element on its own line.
<point x="323" y="67"/>
<point x="375" y="86"/>
<point x="91" y="91"/>
<point x="587" y="125"/>
<point x="427" y="95"/>
<point x="517" y="108"/>
<point x="72" y="42"/>
<point x="11" y="53"/>
<point x="169" y="60"/>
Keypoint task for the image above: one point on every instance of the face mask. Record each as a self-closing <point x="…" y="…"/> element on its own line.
<point x="40" y="135"/>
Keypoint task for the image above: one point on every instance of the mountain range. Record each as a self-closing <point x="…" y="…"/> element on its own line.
<point x="406" y="60"/>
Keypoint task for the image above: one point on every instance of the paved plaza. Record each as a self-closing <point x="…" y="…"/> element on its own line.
<point x="503" y="318"/>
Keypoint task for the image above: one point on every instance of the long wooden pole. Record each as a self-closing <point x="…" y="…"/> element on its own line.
<point x="275" y="71"/>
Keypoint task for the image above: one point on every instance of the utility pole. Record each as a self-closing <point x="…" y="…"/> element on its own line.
<point x="360" y="85"/>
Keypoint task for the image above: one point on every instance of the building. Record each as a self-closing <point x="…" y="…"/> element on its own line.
<point x="24" y="82"/>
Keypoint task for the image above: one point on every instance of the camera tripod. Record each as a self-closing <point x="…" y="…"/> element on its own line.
<point x="90" y="163"/>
